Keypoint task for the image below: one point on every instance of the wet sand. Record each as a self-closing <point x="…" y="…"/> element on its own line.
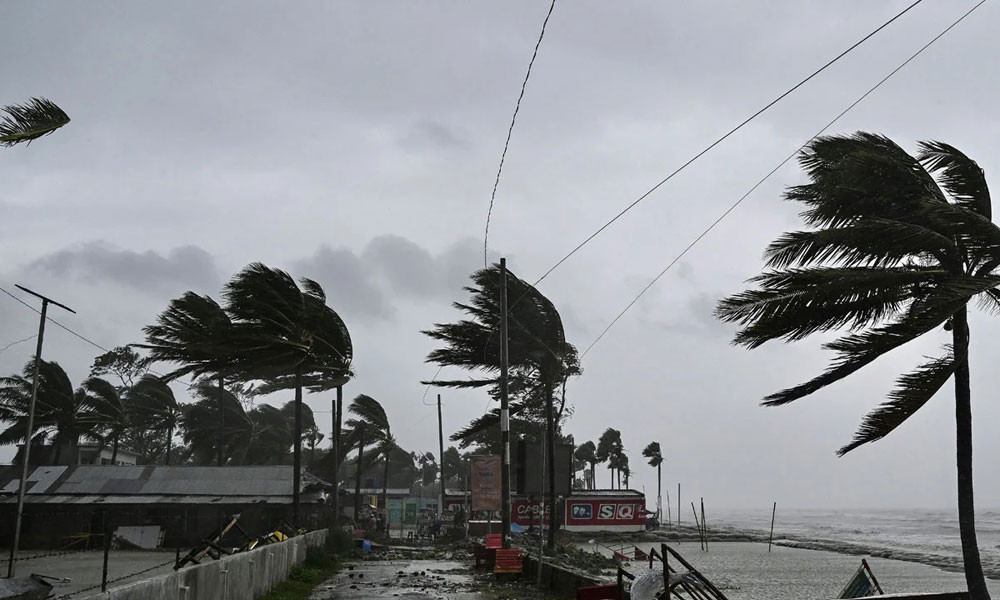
<point x="746" y="571"/>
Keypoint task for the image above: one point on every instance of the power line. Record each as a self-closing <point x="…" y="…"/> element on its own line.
<point x="30" y="337"/>
<point x="510" y="131"/>
<point x="75" y="334"/>
<point x="721" y="139"/>
<point x="775" y="170"/>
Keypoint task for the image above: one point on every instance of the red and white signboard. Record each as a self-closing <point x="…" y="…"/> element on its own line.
<point x="605" y="514"/>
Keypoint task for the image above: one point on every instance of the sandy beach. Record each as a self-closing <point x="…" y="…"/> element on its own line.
<point x="747" y="571"/>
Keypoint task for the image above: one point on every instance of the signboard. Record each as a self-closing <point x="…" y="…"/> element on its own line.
<point x="610" y="514"/>
<point x="525" y="513"/>
<point x="485" y="482"/>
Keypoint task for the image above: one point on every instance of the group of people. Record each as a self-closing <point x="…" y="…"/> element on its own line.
<point x="376" y="522"/>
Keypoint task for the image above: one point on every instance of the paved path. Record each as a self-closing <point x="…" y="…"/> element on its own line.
<point x="405" y="579"/>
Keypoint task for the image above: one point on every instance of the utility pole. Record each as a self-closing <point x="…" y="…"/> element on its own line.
<point x="26" y="458"/>
<point x="504" y="413"/>
<point x="441" y="461"/>
<point x="337" y="407"/>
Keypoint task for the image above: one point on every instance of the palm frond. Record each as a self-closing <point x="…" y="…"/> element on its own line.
<point x="29" y="121"/>
<point x="913" y="390"/>
<point x="960" y="176"/>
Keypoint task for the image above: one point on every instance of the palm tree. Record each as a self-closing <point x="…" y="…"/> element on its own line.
<point x="109" y="415"/>
<point x="29" y="121"/>
<point x="652" y="452"/>
<point x="60" y="412"/>
<point x="586" y="453"/>
<point x="284" y="334"/>
<point x="899" y="245"/>
<point x="608" y="446"/>
<point x="216" y="429"/>
<point x="155" y="409"/>
<point x="369" y="426"/>
<point x="197" y="334"/>
<point x="387" y="449"/>
<point x="537" y="351"/>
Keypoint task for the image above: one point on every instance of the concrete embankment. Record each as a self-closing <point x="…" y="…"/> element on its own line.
<point x="243" y="576"/>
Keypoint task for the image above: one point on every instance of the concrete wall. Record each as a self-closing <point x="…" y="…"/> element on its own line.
<point x="243" y="576"/>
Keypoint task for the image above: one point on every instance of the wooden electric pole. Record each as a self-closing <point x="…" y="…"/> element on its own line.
<point x="441" y="461"/>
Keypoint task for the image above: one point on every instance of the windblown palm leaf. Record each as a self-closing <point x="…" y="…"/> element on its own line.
<point x="652" y="452"/>
<point x="29" y="121"/>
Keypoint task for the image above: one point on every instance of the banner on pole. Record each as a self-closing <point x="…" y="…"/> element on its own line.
<point x="485" y="482"/>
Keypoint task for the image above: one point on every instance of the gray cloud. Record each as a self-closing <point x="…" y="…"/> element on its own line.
<point x="181" y="268"/>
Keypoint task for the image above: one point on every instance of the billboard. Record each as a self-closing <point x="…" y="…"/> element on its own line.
<point x="607" y="514"/>
<point x="485" y="482"/>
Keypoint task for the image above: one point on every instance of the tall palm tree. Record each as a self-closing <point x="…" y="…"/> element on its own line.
<point x="387" y="450"/>
<point x="370" y="425"/>
<point x="608" y="447"/>
<point x="109" y="415"/>
<point x="26" y="122"/>
<point x="587" y="453"/>
<point x="213" y="429"/>
<point x="898" y="246"/>
<point x="60" y="412"/>
<point x="156" y="409"/>
<point x="652" y="452"/>
<point x="537" y="353"/>
<point x="286" y="333"/>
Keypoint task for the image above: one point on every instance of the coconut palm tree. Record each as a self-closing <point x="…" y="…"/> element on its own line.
<point x="586" y="453"/>
<point x="216" y="429"/>
<point x="537" y="351"/>
<point x="155" y="408"/>
<point x="369" y="426"/>
<point x="608" y="447"/>
<point x="897" y="247"/>
<point x="26" y="122"/>
<point x="652" y="452"/>
<point x="285" y="333"/>
<point x="196" y="333"/>
<point x="61" y="413"/>
<point x="109" y="415"/>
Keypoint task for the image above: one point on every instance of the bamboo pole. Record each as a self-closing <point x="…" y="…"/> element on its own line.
<point x="701" y="540"/>
<point x="704" y="523"/>
<point x="771" y="537"/>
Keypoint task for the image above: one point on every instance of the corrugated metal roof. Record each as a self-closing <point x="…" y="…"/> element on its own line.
<point x="155" y="484"/>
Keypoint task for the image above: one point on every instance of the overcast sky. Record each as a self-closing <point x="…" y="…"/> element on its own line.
<point x="356" y="143"/>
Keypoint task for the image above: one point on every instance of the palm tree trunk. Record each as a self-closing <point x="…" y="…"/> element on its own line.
<point x="550" y="458"/>
<point x="357" y="476"/>
<point x="963" y="429"/>
<point x="170" y="439"/>
<point x="335" y="454"/>
<point x="659" y="497"/>
<point x="385" y="486"/>
<point x="222" y="419"/>
<point x="114" y="449"/>
<point x="297" y="449"/>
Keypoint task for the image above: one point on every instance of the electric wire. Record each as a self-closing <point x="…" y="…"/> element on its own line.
<point x="720" y="140"/>
<point x="510" y="131"/>
<point x="775" y="170"/>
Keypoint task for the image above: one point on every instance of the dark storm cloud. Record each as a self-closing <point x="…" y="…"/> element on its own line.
<point x="185" y="267"/>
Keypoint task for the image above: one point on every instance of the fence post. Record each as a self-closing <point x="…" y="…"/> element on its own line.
<point x="107" y="550"/>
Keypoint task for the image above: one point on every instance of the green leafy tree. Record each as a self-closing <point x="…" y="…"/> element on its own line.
<point x="24" y="123"/>
<point x="61" y="413"/>
<point x="540" y="360"/>
<point x="897" y="247"/>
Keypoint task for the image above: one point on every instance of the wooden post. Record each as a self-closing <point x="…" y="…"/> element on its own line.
<point x="701" y="540"/>
<point x="678" y="505"/>
<point x="441" y="474"/>
<point x="704" y="523"/>
<point x="771" y="537"/>
<point x="107" y="550"/>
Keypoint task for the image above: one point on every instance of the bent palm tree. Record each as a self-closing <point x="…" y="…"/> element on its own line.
<point x="370" y="426"/>
<point x="652" y="452"/>
<point x="61" y="413"/>
<point x="156" y="408"/>
<point x="29" y="121"/>
<point x="899" y="247"/>
<point x="586" y="453"/>
<point x="109" y="416"/>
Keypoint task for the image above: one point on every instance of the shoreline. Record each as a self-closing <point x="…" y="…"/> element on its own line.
<point x="954" y="564"/>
